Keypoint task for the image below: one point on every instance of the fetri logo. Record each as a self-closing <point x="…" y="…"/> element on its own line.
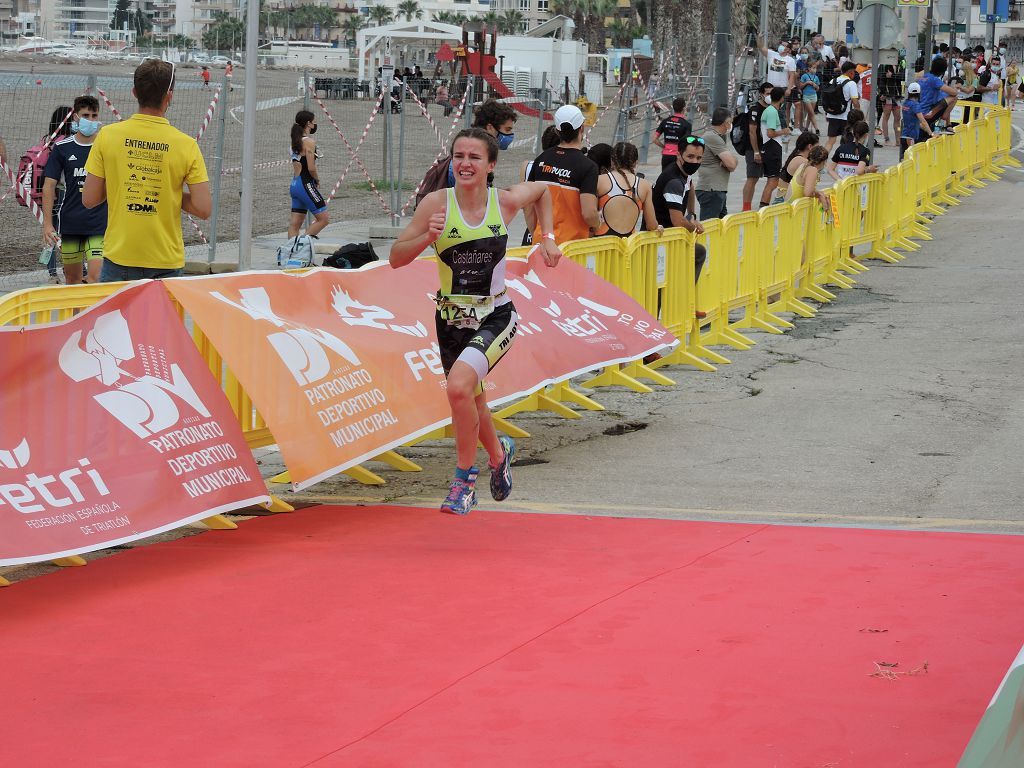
<point x="453" y="232"/>
<point x="145" y="404"/>
<point x="53" y="490"/>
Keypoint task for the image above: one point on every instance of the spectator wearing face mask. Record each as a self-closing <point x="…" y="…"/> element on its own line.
<point x="77" y="230"/>
<point x="781" y="71"/>
<point x="675" y="200"/>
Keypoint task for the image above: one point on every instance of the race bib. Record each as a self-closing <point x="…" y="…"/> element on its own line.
<point x="461" y="311"/>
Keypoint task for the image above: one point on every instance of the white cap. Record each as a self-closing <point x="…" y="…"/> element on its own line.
<point x="914" y="88"/>
<point x="568" y="113"/>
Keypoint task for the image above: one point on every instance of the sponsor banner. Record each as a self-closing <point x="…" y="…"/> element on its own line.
<point x="112" y="429"/>
<point x="344" y="365"/>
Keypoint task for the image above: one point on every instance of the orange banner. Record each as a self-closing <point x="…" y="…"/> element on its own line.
<point x="112" y="429"/>
<point x="344" y="365"/>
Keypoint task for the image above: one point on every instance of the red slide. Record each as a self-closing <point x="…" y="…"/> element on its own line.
<point x="483" y="65"/>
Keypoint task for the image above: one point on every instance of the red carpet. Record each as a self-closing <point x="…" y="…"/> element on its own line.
<point x="400" y="637"/>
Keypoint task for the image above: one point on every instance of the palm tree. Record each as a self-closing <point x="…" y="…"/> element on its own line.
<point x="410" y="9"/>
<point x="352" y="25"/>
<point x="511" y="22"/>
<point x="597" y="12"/>
<point x="491" y="19"/>
<point x="442" y="17"/>
<point x="381" y="15"/>
<point x="621" y="33"/>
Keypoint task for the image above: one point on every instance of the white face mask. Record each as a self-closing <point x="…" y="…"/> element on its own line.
<point x="1002" y="51"/>
<point x="783" y="49"/>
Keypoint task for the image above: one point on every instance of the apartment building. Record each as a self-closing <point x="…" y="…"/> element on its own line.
<point x="535" y="12"/>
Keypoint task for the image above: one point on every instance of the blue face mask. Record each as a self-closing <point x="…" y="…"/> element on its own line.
<point x="505" y="140"/>
<point x="86" y="127"/>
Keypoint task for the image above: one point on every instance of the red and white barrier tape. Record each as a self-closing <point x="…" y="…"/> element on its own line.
<point x="257" y="166"/>
<point x="210" y="111"/>
<point x="373" y="116"/>
<point x="426" y="114"/>
<point x="110" y="104"/>
<point x="352" y="152"/>
<point x="22" y="193"/>
<point x="444" y="149"/>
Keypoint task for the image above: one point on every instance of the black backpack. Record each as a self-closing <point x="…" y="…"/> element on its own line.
<point x="740" y="134"/>
<point x="351" y="256"/>
<point x="832" y="100"/>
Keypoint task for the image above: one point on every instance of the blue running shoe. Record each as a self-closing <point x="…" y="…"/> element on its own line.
<point x="461" y="496"/>
<point x="501" y="475"/>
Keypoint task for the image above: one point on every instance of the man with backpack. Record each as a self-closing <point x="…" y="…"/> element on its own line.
<point x="77" y="230"/>
<point x="836" y="99"/>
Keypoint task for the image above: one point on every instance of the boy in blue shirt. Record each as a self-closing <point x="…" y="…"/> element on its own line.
<point x="78" y="229"/>
<point x="913" y="119"/>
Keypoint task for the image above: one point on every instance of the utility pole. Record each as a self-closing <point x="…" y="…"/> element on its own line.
<point x="720" y="85"/>
<point x="762" y="66"/>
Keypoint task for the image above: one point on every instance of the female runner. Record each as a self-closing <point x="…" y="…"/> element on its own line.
<point x="305" y="186"/>
<point x="475" y="318"/>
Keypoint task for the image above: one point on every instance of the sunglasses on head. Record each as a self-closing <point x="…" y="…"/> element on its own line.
<point x="170" y="83"/>
<point x="694" y="140"/>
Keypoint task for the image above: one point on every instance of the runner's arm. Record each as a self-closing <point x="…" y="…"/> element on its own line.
<point x="832" y="170"/>
<point x="656" y="137"/>
<point x="426" y="226"/>
<point x="197" y="200"/>
<point x="536" y="197"/>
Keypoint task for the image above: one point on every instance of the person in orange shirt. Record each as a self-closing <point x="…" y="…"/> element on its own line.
<point x="572" y="178"/>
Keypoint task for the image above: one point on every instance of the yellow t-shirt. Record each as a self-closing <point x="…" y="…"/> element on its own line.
<point x="145" y="161"/>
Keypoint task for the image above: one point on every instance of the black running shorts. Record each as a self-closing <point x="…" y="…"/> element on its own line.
<point x="480" y="348"/>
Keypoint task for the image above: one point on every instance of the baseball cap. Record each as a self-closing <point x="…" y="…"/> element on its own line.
<point x="914" y="88"/>
<point x="568" y="113"/>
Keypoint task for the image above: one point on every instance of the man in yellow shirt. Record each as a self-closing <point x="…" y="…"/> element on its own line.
<point x="139" y="166"/>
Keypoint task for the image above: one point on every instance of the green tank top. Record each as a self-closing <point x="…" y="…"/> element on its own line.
<point x="471" y="259"/>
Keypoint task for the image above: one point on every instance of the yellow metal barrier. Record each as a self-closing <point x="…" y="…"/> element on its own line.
<point x="822" y="242"/>
<point x="779" y="264"/>
<point x="666" y="263"/>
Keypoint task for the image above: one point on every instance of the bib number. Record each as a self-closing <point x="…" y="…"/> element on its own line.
<point x="461" y="311"/>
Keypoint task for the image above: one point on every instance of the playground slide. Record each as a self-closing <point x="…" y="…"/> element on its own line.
<point x="484" y="67"/>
